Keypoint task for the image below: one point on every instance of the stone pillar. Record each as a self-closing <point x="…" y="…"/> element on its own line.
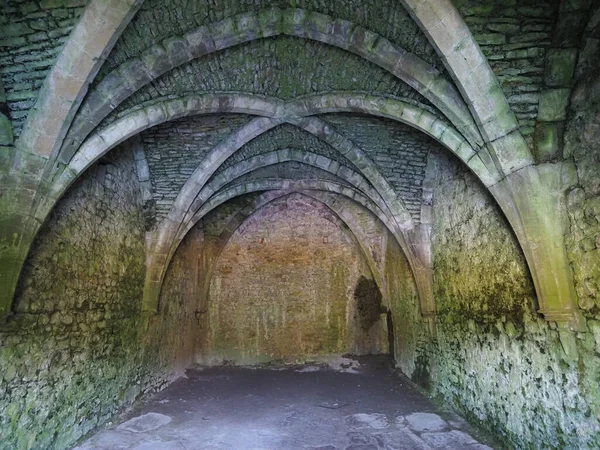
<point x="19" y="189"/>
<point x="534" y="202"/>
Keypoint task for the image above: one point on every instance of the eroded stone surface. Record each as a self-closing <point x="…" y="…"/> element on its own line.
<point x="424" y="422"/>
<point x="145" y="423"/>
<point x="451" y="439"/>
<point x="374" y="420"/>
<point x="81" y="353"/>
<point x="230" y="408"/>
<point x="495" y="357"/>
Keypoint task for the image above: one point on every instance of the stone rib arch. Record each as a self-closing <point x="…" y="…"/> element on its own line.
<point x="230" y="175"/>
<point x="175" y="51"/>
<point x="421" y="273"/>
<point x="64" y="89"/>
<point x="271" y="111"/>
<point x="274" y="111"/>
<point x="189" y="195"/>
<point x="156" y="270"/>
<point x="277" y="157"/>
<point x="451" y="37"/>
<point x="100" y="143"/>
<point x="47" y="124"/>
<point x="278" y="185"/>
<point x="532" y="197"/>
<point x="327" y="133"/>
<point x="529" y="197"/>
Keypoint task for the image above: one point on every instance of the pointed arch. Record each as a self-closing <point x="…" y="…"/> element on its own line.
<point x="175" y="51"/>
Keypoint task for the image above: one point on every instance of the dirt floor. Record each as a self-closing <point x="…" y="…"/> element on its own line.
<point x="341" y="404"/>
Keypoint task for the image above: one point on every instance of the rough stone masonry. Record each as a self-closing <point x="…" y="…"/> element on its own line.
<point x="281" y="181"/>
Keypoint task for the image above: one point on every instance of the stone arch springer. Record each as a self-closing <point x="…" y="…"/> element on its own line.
<point x="295" y="113"/>
<point x="532" y="197"/>
<point x="354" y="180"/>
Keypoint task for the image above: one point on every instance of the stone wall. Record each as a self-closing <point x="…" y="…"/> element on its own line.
<point x="496" y="360"/>
<point x="284" y="289"/>
<point x="399" y="152"/>
<point x="302" y="68"/>
<point x="410" y="338"/>
<point x="75" y="352"/>
<point x="288" y="170"/>
<point x="31" y="36"/>
<point x="515" y="36"/>
<point x="582" y="140"/>
<point x="175" y="149"/>
<point x="283" y="137"/>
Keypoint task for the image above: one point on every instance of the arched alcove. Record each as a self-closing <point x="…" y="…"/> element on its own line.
<point x="283" y="289"/>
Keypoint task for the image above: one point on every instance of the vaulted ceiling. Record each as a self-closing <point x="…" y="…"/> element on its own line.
<point x="225" y="98"/>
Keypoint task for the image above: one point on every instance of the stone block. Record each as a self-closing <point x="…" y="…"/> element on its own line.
<point x="156" y="60"/>
<point x="464" y="151"/>
<point x="247" y="27"/>
<point x="548" y="140"/>
<point x="504" y="28"/>
<point x="363" y="41"/>
<point x="530" y="37"/>
<point x="532" y="98"/>
<point x="429" y="13"/>
<point x="560" y="65"/>
<point x="490" y="39"/>
<point x="500" y="118"/>
<point x="178" y="51"/>
<point x="532" y="52"/>
<point x="575" y="5"/>
<point x="13" y="42"/>
<point x="270" y="22"/>
<point x="478" y="10"/>
<point x="14" y="30"/>
<point x="142" y="170"/>
<point x="6" y="132"/>
<point x="483" y="173"/>
<point x="223" y="34"/>
<point x="451" y="139"/>
<point x="320" y="26"/>
<point x="553" y="105"/>
<point x="537" y="12"/>
<point x="199" y="42"/>
<point x="53" y="4"/>
<point x="386" y="54"/>
<point x="568" y="29"/>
